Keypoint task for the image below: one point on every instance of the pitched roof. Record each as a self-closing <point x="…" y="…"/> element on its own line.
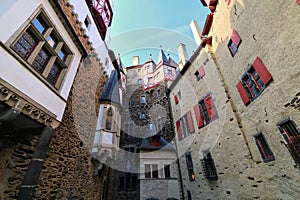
<point x="111" y="89"/>
<point x="166" y="60"/>
<point x="146" y="145"/>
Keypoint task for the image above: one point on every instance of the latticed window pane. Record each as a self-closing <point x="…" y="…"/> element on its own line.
<point x="41" y="60"/>
<point x="25" y="45"/>
<point x="54" y="73"/>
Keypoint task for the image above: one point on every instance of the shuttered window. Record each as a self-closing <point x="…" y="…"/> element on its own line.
<point x="205" y="111"/>
<point x="234" y="43"/>
<point x="200" y="73"/>
<point x="176" y="99"/>
<point x="254" y="81"/>
<point x="185" y="126"/>
<point x="298" y="2"/>
<point x="291" y="134"/>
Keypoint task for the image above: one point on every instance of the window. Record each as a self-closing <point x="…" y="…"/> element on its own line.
<point x="185" y="126"/>
<point x="140" y="82"/>
<point x="143" y="116"/>
<point x="200" y="73"/>
<point x="254" y="81"/>
<point x="160" y="122"/>
<point x="103" y="14"/>
<point x="264" y="149"/>
<point x="158" y="93"/>
<point x="151" y="171"/>
<point x="209" y="168"/>
<point x="176" y="99"/>
<point x="87" y="22"/>
<point x="109" y="117"/>
<point x="205" y="111"/>
<point x="291" y="134"/>
<point x="41" y="46"/>
<point x="143" y="100"/>
<point x="167" y="171"/>
<point x="234" y="43"/>
<point x="189" y="165"/>
<point x="127" y="181"/>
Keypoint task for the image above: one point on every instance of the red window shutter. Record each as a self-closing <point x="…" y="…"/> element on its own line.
<point x="198" y="117"/>
<point x="235" y="38"/>
<point x="176" y="99"/>
<point x="298" y="2"/>
<point x="262" y="71"/>
<point x="190" y="122"/>
<point x="243" y="93"/>
<point x="178" y="130"/>
<point x="228" y="2"/>
<point x="212" y="112"/>
<point x="201" y="71"/>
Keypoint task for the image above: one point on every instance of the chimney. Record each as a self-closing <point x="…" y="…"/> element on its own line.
<point x="196" y="32"/>
<point x="182" y="52"/>
<point x="135" y="60"/>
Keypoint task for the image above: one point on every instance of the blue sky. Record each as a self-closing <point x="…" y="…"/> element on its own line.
<point x="139" y="27"/>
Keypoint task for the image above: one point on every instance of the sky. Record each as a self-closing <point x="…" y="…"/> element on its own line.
<point x="140" y="27"/>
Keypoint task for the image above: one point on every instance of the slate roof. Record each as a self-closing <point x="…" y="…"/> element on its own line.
<point x="111" y="89"/>
<point x="166" y="60"/>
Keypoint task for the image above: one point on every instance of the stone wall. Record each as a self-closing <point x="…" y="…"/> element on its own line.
<point x="267" y="30"/>
<point x="68" y="171"/>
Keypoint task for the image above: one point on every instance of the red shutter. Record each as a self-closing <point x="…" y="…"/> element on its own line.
<point x="298" y="2"/>
<point x="262" y="71"/>
<point x="228" y="2"/>
<point x="178" y="130"/>
<point x="190" y="122"/>
<point x="235" y="38"/>
<point x="198" y="117"/>
<point x="176" y="99"/>
<point x="201" y="71"/>
<point x="243" y="93"/>
<point x="210" y="107"/>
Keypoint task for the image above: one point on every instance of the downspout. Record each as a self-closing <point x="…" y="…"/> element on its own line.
<point x="175" y="143"/>
<point x="27" y="189"/>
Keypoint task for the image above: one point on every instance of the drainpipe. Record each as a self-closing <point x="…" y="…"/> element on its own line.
<point x="32" y="175"/>
<point x="178" y="164"/>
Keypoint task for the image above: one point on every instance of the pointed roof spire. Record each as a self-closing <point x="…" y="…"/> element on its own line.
<point x="162" y="56"/>
<point x="150" y="57"/>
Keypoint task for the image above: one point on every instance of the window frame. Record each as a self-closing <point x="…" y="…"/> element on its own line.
<point x="151" y="171"/>
<point x="263" y="147"/>
<point x="291" y="140"/>
<point x="234" y="43"/>
<point x="42" y="43"/>
<point x="254" y="81"/>
<point x="190" y="166"/>
<point x="205" y="111"/>
<point x="209" y="168"/>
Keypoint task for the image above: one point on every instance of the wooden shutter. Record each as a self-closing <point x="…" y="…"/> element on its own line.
<point x="201" y="71"/>
<point x="298" y="2"/>
<point x="243" y="93"/>
<point x="178" y="130"/>
<point x="176" y="99"/>
<point x="190" y="122"/>
<point x="212" y="112"/>
<point x="235" y="38"/>
<point x="262" y="71"/>
<point x="198" y="116"/>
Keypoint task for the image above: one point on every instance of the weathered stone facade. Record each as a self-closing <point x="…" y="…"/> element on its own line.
<point x="242" y="173"/>
<point x="68" y="171"/>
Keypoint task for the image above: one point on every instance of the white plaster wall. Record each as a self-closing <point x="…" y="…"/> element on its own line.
<point x="81" y="8"/>
<point x="17" y="75"/>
